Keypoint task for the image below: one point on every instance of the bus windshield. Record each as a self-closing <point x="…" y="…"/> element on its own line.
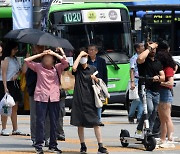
<point x="110" y="37"/>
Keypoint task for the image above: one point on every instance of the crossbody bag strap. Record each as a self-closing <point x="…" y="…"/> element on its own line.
<point x="58" y="75"/>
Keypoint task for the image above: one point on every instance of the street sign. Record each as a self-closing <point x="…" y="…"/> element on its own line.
<point x="5" y="2"/>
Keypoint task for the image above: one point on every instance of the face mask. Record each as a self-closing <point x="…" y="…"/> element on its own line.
<point x="83" y="60"/>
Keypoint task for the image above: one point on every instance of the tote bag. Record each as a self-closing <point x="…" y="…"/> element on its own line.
<point x="67" y="80"/>
<point x="133" y="94"/>
<point x="97" y="95"/>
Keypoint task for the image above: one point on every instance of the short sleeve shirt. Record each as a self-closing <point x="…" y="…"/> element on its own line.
<point x="150" y="69"/>
<point x="47" y="86"/>
<point x="169" y="72"/>
<point x="133" y="64"/>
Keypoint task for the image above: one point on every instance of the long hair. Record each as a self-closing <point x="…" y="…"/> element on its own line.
<point x="163" y="46"/>
<point x="1" y="43"/>
<point x="8" y="48"/>
<point x="166" y="59"/>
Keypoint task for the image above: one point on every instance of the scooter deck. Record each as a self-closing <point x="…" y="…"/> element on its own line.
<point x="134" y="140"/>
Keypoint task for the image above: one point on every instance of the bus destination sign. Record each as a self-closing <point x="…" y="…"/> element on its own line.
<point x="162" y="18"/>
<point x="92" y="16"/>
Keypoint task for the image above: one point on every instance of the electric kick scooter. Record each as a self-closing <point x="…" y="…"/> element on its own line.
<point x="148" y="139"/>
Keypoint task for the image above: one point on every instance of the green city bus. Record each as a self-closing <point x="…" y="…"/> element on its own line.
<point x="105" y="24"/>
<point x="5" y="20"/>
<point x="108" y="26"/>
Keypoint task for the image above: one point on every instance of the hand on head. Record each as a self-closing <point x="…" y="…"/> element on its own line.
<point x="153" y="45"/>
<point x="48" y="52"/>
<point x="83" y="54"/>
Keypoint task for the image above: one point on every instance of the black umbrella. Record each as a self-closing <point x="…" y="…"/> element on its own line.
<point x="45" y="39"/>
<point x="18" y="33"/>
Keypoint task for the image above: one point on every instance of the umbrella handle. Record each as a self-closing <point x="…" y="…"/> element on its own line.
<point x="29" y="49"/>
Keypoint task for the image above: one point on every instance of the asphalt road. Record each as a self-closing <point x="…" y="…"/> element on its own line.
<point x="114" y="120"/>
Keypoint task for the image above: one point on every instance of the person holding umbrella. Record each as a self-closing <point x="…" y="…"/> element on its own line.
<point x="47" y="95"/>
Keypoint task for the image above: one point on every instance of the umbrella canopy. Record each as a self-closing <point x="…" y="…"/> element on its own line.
<point x="18" y="33"/>
<point x="45" y="39"/>
<point x="38" y="37"/>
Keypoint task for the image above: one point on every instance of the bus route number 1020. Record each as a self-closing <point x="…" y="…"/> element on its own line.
<point x="72" y="17"/>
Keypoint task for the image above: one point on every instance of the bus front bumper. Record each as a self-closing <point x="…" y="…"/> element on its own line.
<point x="117" y="97"/>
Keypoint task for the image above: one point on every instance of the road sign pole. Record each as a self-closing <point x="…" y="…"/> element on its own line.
<point x="37" y="14"/>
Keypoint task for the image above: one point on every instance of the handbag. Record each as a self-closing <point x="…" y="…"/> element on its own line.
<point x="6" y="105"/>
<point x="67" y="80"/>
<point x="99" y="99"/>
<point x="133" y="94"/>
<point x="100" y="92"/>
<point x="104" y="88"/>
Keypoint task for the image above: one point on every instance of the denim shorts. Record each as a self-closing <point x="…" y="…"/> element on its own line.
<point x="166" y="95"/>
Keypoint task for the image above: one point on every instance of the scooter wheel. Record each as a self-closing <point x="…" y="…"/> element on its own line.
<point x="124" y="133"/>
<point x="151" y="144"/>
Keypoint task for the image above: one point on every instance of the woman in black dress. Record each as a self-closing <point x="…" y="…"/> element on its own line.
<point x="84" y="111"/>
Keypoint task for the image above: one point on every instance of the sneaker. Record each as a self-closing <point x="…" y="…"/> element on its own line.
<point x="139" y="134"/>
<point x="55" y="150"/>
<point x="16" y="132"/>
<point x="4" y="132"/>
<point x="61" y="138"/>
<point x="158" y="143"/>
<point x="101" y="124"/>
<point x="167" y="144"/>
<point x="131" y="120"/>
<point x="39" y="151"/>
<point x="83" y="150"/>
<point x="171" y="144"/>
<point x="102" y="150"/>
<point x="46" y="144"/>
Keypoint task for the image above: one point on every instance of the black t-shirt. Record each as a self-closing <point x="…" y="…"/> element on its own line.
<point x="150" y="69"/>
<point x="31" y="79"/>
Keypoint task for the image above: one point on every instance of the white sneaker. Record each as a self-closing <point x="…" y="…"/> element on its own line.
<point x="158" y="143"/>
<point x="16" y="132"/>
<point x="167" y="144"/>
<point x="139" y="134"/>
<point x="171" y="144"/>
<point x="4" y="132"/>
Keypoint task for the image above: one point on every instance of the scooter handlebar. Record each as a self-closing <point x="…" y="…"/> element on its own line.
<point x="144" y="78"/>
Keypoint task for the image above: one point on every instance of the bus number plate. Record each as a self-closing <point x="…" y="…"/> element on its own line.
<point x="72" y="17"/>
<point x="111" y="85"/>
